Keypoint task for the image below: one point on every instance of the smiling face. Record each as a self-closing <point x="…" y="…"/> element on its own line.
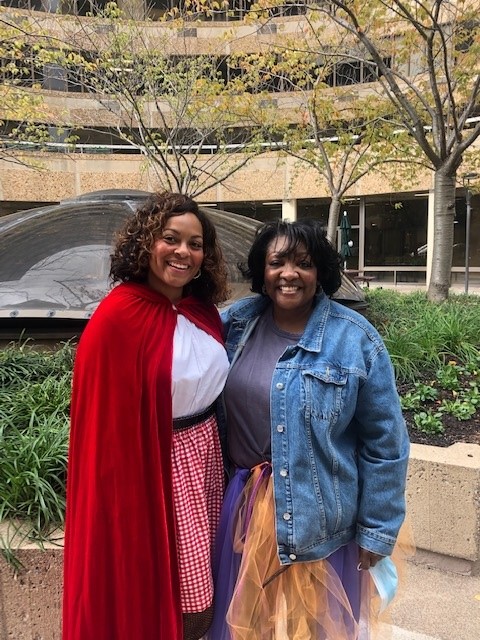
<point x="290" y="280"/>
<point x="176" y="256"/>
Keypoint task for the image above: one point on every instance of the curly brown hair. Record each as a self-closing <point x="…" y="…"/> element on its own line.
<point x="131" y="253"/>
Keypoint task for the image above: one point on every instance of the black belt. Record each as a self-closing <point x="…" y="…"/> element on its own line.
<point x="196" y="418"/>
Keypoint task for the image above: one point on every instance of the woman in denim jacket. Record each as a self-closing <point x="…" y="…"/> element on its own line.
<point x="318" y="445"/>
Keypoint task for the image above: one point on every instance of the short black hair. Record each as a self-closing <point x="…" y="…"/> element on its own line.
<point x="309" y="233"/>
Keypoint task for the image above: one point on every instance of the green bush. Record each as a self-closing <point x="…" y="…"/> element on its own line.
<point x="429" y="345"/>
<point x="421" y="336"/>
<point x="34" y="422"/>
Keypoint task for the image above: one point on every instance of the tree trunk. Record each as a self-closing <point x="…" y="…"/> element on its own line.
<point x="444" y="216"/>
<point x="333" y="215"/>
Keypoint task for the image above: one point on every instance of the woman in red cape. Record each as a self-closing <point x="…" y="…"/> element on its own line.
<point x="145" y="477"/>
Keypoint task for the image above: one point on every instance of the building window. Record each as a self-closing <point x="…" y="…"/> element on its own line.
<point x="396" y="233"/>
<point x="459" y="233"/>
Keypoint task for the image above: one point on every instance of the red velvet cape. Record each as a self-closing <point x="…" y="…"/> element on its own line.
<point x="120" y="568"/>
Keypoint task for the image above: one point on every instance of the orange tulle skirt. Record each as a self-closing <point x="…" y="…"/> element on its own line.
<point x="322" y="600"/>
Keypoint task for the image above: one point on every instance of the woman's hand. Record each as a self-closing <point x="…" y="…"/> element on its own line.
<point x="367" y="559"/>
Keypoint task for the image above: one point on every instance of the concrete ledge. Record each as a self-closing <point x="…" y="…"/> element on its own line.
<point x="443" y="497"/>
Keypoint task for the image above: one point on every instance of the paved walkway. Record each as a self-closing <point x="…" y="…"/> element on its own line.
<point x="436" y="605"/>
<point x="402" y="634"/>
<point x="407" y="287"/>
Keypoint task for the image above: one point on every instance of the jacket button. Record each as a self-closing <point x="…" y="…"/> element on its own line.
<point x="279" y="385"/>
<point x="286" y="516"/>
<point x="292" y="556"/>
<point x="280" y="428"/>
<point x="283" y="473"/>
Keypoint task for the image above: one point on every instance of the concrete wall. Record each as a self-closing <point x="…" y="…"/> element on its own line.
<point x="443" y="495"/>
<point x="267" y="177"/>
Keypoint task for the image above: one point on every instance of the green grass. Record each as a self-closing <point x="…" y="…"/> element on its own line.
<point x="421" y="336"/>
<point x="34" y="421"/>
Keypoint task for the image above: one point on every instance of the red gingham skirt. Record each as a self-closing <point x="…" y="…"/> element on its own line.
<point x="197" y="493"/>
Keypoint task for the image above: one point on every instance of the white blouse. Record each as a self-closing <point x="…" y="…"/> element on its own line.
<point x="199" y="369"/>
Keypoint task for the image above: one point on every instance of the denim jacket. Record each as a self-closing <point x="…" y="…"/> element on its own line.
<point x="339" y="442"/>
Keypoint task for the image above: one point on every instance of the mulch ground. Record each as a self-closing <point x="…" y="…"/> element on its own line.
<point x="454" y="430"/>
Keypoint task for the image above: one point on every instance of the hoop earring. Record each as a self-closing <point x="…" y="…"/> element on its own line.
<point x="264" y="290"/>
<point x="198" y="275"/>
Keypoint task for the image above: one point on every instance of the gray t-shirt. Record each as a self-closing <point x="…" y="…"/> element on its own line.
<point x="247" y="393"/>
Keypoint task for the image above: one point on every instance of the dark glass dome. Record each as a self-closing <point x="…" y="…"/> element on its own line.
<point x="54" y="260"/>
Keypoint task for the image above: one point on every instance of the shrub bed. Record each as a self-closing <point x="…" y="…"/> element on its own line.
<point x="434" y="350"/>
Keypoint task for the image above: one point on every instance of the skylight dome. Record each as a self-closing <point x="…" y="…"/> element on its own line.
<point x="55" y="260"/>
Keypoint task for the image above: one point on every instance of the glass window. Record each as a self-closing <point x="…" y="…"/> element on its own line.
<point x="459" y="232"/>
<point x="396" y="232"/>
<point x="475" y="232"/>
<point x="313" y="209"/>
<point x="262" y="211"/>
<point x="458" y="254"/>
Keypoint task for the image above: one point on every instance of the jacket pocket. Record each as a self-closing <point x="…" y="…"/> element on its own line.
<point x="324" y="391"/>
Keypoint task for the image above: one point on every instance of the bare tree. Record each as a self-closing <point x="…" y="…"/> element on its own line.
<point x="24" y="116"/>
<point x="183" y="109"/>
<point x="342" y="134"/>
<point x="428" y="58"/>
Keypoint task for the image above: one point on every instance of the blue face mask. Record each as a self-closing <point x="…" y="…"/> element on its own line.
<point x="384" y="575"/>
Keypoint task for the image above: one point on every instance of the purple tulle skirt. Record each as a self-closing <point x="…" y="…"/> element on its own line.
<point x="256" y="597"/>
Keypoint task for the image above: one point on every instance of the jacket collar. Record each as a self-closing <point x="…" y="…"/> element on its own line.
<point x="311" y="340"/>
<point x="312" y="337"/>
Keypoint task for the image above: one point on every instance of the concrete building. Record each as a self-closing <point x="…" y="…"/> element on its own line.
<point x="391" y="229"/>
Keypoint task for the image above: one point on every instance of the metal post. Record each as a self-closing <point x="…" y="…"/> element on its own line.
<point x="467" y="236"/>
